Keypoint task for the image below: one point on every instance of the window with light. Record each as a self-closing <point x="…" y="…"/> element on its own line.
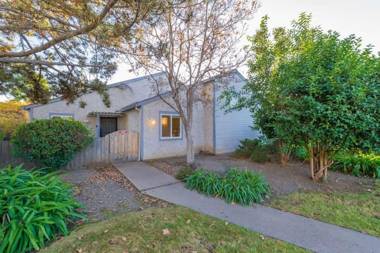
<point x="170" y="126"/>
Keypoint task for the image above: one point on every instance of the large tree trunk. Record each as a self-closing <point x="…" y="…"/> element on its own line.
<point x="190" y="156"/>
<point x="319" y="162"/>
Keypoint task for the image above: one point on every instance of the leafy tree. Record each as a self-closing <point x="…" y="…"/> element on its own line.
<point x="70" y="45"/>
<point x="312" y="88"/>
<point x="11" y="116"/>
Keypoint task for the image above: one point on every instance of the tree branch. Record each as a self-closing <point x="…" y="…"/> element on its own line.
<point x="68" y="35"/>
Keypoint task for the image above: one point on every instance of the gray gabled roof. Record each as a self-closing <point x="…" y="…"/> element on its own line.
<point x="143" y="102"/>
<point x="113" y="85"/>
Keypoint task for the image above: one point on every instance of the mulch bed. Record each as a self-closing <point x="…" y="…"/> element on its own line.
<point x="104" y="191"/>
<point x="282" y="179"/>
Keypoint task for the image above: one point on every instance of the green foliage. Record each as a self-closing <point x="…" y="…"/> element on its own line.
<point x="312" y="88"/>
<point x="300" y="153"/>
<point x="2" y="135"/>
<point x="11" y="116"/>
<point x="257" y="150"/>
<point x="244" y="187"/>
<point x="358" y="164"/>
<point x="34" y="208"/>
<point x="51" y="143"/>
<point x="206" y="182"/>
<point x="184" y="172"/>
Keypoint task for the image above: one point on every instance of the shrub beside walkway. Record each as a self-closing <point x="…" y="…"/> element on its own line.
<point x="304" y="232"/>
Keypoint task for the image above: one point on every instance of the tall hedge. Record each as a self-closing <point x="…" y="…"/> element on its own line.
<point x="50" y="142"/>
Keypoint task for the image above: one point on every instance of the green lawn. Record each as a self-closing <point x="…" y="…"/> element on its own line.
<point x="359" y="211"/>
<point x="172" y="229"/>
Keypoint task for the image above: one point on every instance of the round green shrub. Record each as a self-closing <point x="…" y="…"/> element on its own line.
<point x="50" y="142"/>
<point x="34" y="208"/>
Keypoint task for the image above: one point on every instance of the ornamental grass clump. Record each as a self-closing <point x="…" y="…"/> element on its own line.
<point x="244" y="187"/>
<point x="206" y="182"/>
<point x="34" y="208"/>
<point x="238" y="186"/>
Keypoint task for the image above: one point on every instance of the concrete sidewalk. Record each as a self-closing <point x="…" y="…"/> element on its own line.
<point x="304" y="232"/>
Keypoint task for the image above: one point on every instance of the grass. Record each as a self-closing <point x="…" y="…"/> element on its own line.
<point x="172" y="229"/>
<point x="357" y="211"/>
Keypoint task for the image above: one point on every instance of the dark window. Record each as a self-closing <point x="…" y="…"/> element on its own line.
<point x="107" y="126"/>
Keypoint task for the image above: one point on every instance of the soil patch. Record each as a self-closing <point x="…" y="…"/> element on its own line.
<point x="104" y="192"/>
<point x="282" y="179"/>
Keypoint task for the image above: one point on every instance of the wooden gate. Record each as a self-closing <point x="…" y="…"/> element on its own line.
<point x="119" y="145"/>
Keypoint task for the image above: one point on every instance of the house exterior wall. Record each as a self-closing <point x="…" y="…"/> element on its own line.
<point x="230" y="127"/>
<point x="153" y="147"/>
<point x="133" y="120"/>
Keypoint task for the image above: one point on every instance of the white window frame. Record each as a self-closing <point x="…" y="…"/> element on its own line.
<point x="171" y="115"/>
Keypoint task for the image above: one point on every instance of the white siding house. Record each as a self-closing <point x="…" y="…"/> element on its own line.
<point x="134" y="107"/>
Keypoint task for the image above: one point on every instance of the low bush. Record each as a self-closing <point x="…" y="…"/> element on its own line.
<point x="257" y="150"/>
<point x="358" y="164"/>
<point x="34" y="208"/>
<point x="184" y="172"/>
<point x="243" y="187"/>
<point x="300" y="153"/>
<point x="50" y="142"/>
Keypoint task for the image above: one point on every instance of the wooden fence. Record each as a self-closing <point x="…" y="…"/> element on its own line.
<point x="5" y="153"/>
<point x="119" y="145"/>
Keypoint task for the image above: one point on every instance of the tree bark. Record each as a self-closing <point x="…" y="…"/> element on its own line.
<point x="190" y="156"/>
<point x="319" y="162"/>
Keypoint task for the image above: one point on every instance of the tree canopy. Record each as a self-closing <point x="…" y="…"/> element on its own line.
<point x="313" y="88"/>
<point x="63" y="48"/>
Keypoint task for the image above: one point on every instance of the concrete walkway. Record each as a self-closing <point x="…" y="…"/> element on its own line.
<point x="304" y="232"/>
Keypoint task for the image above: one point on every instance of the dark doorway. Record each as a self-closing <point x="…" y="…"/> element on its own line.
<point x="107" y="126"/>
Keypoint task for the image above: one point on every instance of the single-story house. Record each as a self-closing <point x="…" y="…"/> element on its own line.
<point x="135" y="107"/>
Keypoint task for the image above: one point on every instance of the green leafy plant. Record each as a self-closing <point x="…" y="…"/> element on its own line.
<point x="257" y="150"/>
<point x="184" y="172"/>
<point x="206" y="182"/>
<point x="243" y="187"/>
<point x="50" y="142"/>
<point x="34" y="208"/>
<point x="358" y="164"/>
<point x="300" y="153"/>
